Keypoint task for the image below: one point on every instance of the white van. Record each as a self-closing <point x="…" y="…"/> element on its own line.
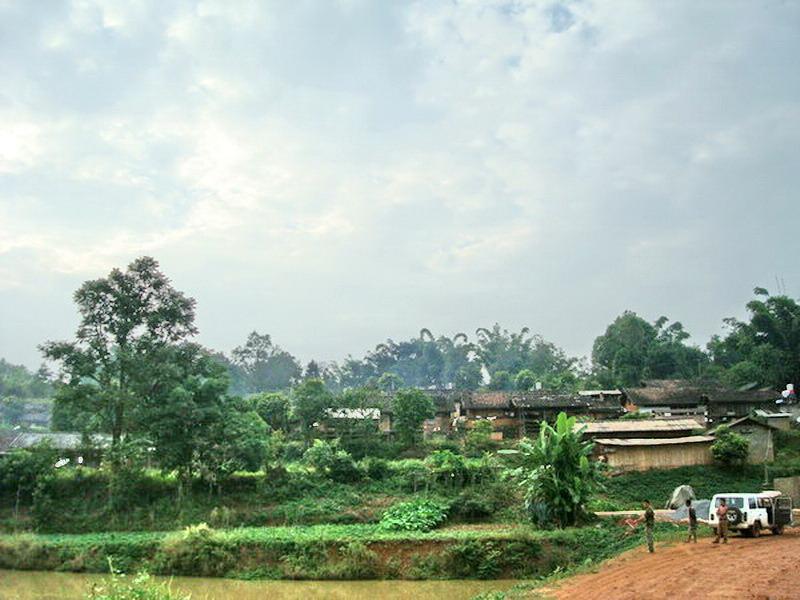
<point x="750" y="513"/>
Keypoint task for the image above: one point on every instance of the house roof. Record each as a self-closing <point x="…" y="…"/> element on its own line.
<point x="58" y="441"/>
<point x="353" y="413"/>
<point x="639" y="425"/>
<point x="600" y="393"/>
<point x="543" y="399"/>
<point x="673" y="392"/>
<point x="667" y="391"/>
<point x="498" y="400"/>
<point x="692" y="439"/>
<point x="747" y="419"/>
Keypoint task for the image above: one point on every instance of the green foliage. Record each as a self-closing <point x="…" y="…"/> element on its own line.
<point x="113" y="367"/>
<point x="416" y="515"/>
<point x="764" y="350"/>
<point x="479" y="438"/>
<point x="273" y="408"/>
<point x="557" y="476"/>
<point x="21" y="471"/>
<point x="411" y="408"/>
<point x="525" y="380"/>
<point x="631" y="350"/>
<point x="334" y="463"/>
<point x="730" y="448"/>
<point x="139" y="587"/>
<point x="310" y="401"/>
<point x="195" y="551"/>
<point x="16" y="381"/>
<point x="266" y="366"/>
<point x="627" y="491"/>
<point x="501" y="380"/>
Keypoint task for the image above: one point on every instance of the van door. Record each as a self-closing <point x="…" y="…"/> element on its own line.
<point x="783" y="511"/>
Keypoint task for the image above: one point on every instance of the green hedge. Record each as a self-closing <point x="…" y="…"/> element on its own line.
<point x="325" y="552"/>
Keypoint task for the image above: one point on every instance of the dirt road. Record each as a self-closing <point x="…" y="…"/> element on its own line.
<point x="763" y="568"/>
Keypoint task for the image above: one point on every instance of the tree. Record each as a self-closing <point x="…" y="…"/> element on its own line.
<point x="631" y="350"/>
<point x="556" y="475"/>
<point x="274" y="408"/>
<point x="501" y="380"/>
<point x="189" y="409"/>
<point x="730" y="448"/>
<point x="17" y="381"/>
<point x="267" y="366"/>
<point x="128" y="319"/>
<point x="525" y="380"/>
<point x="766" y="349"/>
<point x="310" y="400"/>
<point x="411" y="408"/>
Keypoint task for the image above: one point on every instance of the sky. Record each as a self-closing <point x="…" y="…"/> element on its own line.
<point x="336" y="173"/>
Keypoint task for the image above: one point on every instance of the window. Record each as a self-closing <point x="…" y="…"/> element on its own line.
<point x="752" y="502"/>
<point x="732" y="502"/>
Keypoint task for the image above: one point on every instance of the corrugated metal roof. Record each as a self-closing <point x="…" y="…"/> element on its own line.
<point x="58" y="441"/>
<point x="692" y="439"/>
<point x="353" y="413"/>
<point x="643" y="425"/>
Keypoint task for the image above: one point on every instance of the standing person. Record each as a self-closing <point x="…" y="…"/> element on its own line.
<point x="722" y="522"/>
<point x="649" y="518"/>
<point x="692" y="522"/>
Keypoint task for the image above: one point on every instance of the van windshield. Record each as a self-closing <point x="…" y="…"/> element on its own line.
<point x="734" y="501"/>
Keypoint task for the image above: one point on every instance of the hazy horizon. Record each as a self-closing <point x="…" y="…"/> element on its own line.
<point x="342" y="173"/>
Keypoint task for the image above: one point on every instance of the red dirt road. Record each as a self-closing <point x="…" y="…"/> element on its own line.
<point x="765" y="568"/>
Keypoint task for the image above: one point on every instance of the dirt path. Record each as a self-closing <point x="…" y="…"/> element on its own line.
<point x="766" y="568"/>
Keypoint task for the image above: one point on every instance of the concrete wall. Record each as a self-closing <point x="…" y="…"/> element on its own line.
<point x="761" y="442"/>
<point x="642" y="458"/>
<point x="789" y="486"/>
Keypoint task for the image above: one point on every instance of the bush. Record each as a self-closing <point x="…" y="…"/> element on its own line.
<point x="416" y="515"/>
<point x="730" y="447"/>
<point x="376" y="469"/>
<point x="140" y="587"/>
<point x="334" y="463"/>
<point x="195" y="551"/>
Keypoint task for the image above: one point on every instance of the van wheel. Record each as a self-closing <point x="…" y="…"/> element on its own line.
<point x="755" y="530"/>
<point x="777" y="530"/>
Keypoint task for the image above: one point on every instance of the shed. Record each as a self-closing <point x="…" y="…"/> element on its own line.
<point x="640" y="428"/>
<point x="760" y="436"/>
<point x="637" y="454"/>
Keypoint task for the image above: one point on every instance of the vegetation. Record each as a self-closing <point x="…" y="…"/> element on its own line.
<point x="139" y="587"/>
<point x="730" y="448"/>
<point x="417" y="515"/>
<point x="326" y="552"/>
<point x="556" y="474"/>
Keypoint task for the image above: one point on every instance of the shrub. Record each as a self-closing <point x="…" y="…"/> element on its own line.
<point x="730" y="447"/>
<point x="328" y="459"/>
<point x="416" y="515"/>
<point x="376" y="469"/>
<point x="447" y="468"/>
<point x="139" y="587"/>
<point x="557" y="476"/>
<point x="195" y="551"/>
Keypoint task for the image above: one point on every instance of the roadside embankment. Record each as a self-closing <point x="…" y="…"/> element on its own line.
<point x="327" y="552"/>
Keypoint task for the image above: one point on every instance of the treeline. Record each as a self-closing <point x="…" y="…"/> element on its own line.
<point x="17" y="381"/>
<point x="763" y="351"/>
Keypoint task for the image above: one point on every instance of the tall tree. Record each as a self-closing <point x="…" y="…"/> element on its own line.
<point x="267" y="366"/>
<point x="765" y="349"/>
<point x="310" y="400"/>
<point x="411" y="408"/>
<point x="128" y="319"/>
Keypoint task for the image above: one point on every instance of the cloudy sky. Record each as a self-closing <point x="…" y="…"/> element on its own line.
<point x="339" y="172"/>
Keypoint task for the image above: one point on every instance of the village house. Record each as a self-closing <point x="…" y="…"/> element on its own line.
<point x="641" y="444"/>
<point x="641" y="454"/>
<point x="540" y="405"/>
<point x="676" y="398"/>
<point x="760" y="435"/>
<point x="68" y="445"/>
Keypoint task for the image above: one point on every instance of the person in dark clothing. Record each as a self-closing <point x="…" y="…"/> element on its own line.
<point x="692" y="523"/>
<point x="649" y="518"/>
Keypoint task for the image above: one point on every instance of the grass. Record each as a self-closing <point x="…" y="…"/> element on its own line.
<point x="325" y="551"/>
<point x="626" y="492"/>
